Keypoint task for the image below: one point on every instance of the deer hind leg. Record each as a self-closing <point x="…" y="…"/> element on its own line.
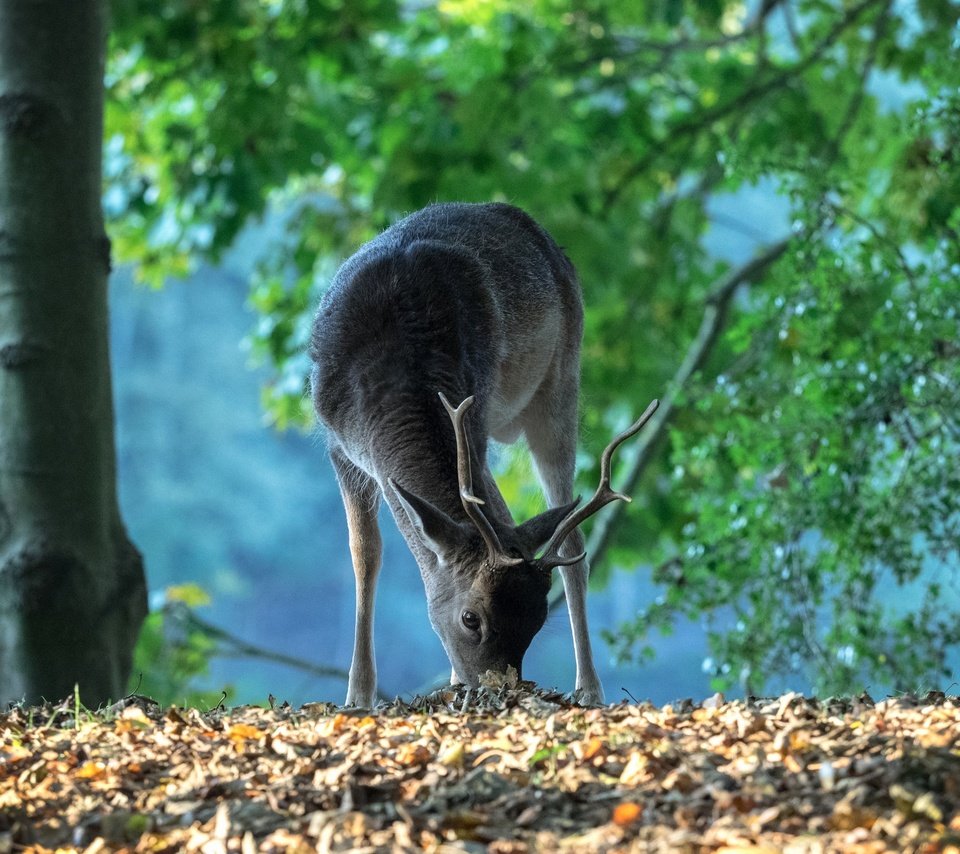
<point x="552" y="434"/>
<point x="361" y="499"/>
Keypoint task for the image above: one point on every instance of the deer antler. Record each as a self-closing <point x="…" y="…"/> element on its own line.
<point x="472" y="504"/>
<point x="603" y="496"/>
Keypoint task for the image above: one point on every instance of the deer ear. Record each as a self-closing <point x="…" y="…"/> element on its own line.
<point x="533" y="533"/>
<point x="437" y="531"/>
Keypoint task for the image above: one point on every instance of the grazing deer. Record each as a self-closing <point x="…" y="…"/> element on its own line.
<point x="476" y="304"/>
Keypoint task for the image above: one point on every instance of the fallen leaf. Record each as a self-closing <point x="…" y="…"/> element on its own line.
<point x="592" y="747"/>
<point x="635" y="771"/>
<point x="241" y="733"/>
<point x="626" y="813"/>
<point x="492" y="680"/>
<point x="91" y="771"/>
<point x="453" y="756"/>
<point x="413" y="754"/>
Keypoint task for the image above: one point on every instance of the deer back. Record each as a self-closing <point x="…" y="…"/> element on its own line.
<point x="459" y="299"/>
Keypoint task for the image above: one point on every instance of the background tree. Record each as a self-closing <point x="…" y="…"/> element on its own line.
<point x="798" y="490"/>
<point x="72" y="591"/>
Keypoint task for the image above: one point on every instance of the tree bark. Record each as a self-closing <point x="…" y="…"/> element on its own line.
<point x="72" y="589"/>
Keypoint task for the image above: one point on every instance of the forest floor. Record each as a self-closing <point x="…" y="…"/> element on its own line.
<point x="503" y="769"/>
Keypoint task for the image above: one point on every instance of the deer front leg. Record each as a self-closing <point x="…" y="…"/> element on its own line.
<point x="588" y="689"/>
<point x="361" y="499"/>
<point x="553" y="449"/>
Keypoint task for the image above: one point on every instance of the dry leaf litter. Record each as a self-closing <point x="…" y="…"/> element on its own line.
<point x="505" y="769"/>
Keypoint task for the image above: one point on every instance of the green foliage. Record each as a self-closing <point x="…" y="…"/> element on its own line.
<point x="173" y="653"/>
<point x="806" y="502"/>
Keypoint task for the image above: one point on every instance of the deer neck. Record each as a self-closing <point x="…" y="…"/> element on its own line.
<point x="433" y="476"/>
<point x="420" y="453"/>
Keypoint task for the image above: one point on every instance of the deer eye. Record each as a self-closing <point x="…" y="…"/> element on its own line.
<point x="470" y="620"/>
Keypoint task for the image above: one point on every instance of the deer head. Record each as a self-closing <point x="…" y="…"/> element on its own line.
<point x="487" y="594"/>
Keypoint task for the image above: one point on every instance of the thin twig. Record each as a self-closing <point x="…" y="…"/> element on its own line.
<point x="880" y="237"/>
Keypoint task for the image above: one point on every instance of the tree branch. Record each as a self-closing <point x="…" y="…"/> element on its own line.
<point x="708" y="117"/>
<point x="629" y="45"/>
<point x="714" y="318"/>
<point x="853" y="108"/>
<point x="242" y="649"/>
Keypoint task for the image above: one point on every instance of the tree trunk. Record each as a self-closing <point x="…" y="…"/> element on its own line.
<point x="72" y="589"/>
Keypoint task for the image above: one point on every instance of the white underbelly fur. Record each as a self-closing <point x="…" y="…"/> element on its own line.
<point x="519" y="380"/>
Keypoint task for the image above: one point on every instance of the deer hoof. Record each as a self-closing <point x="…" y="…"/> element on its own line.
<point x="588" y="696"/>
<point x="360" y="700"/>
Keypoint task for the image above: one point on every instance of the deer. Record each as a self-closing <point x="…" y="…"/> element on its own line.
<point x="459" y="324"/>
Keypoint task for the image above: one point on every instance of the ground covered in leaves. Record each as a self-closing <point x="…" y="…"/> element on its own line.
<point x="503" y="769"/>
